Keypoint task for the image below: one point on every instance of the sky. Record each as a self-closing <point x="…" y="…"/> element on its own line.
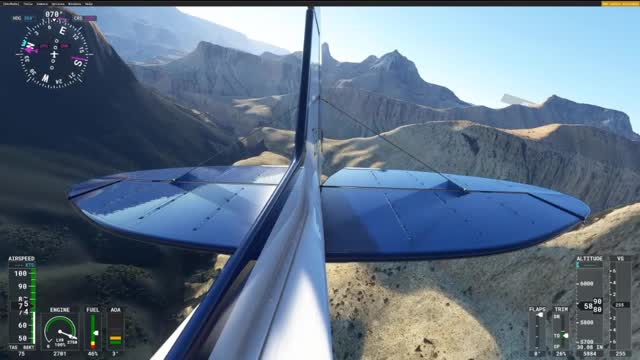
<point x="588" y="55"/>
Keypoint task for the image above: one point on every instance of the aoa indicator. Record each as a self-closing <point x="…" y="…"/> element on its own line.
<point x="54" y="53"/>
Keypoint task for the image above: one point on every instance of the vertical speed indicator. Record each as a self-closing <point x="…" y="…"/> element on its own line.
<point x="54" y="53"/>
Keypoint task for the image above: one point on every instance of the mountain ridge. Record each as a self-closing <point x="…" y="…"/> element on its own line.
<point x="392" y="75"/>
<point x="386" y="92"/>
<point x="212" y="76"/>
<point x="386" y="113"/>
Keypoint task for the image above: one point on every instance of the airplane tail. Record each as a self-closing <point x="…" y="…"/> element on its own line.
<point x="281" y="225"/>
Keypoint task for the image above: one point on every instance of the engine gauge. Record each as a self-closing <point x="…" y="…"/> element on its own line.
<point x="60" y="332"/>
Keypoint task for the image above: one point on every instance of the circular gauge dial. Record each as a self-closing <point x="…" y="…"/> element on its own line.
<point x="54" y="53"/>
<point x="60" y="332"/>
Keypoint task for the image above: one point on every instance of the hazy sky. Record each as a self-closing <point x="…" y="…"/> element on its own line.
<point x="589" y="55"/>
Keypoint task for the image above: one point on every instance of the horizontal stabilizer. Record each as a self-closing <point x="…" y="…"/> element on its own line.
<point x="369" y="214"/>
<point x="210" y="208"/>
<point x="383" y="215"/>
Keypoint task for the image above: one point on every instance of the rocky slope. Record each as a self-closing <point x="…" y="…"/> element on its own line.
<point x="384" y="113"/>
<point x="471" y="308"/>
<point x="213" y="73"/>
<point x="604" y="176"/>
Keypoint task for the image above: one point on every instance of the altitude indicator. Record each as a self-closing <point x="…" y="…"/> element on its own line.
<point x="54" y="53"/>
<point x="590" y="306"/>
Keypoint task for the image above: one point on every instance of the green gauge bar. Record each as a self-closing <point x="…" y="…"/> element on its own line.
<point x="32" y="301"/>
<point x="93" y="331"/>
